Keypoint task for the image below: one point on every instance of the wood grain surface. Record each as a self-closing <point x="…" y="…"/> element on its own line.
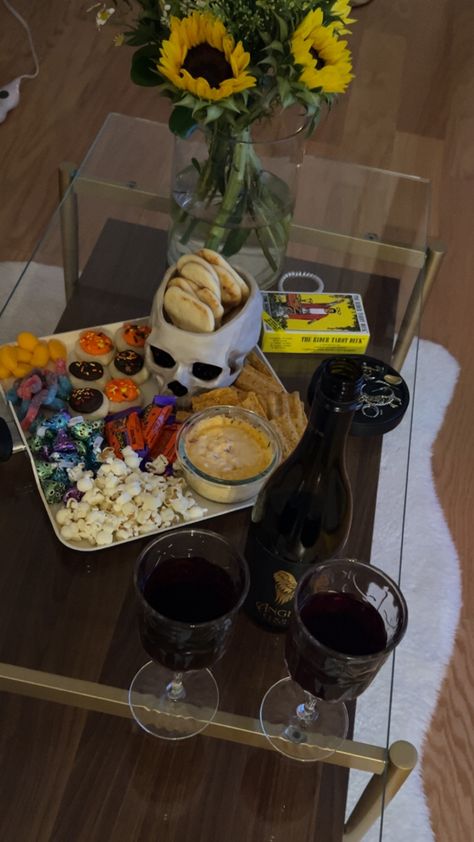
<point x="410" y="108"/>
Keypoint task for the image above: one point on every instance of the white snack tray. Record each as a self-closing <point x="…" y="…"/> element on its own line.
<point x="149" y="391"/>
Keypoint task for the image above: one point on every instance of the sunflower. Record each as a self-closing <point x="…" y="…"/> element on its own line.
<point x="202" y="58"/>
<point x="325" y="60"/>
<point x="342" y="10"/>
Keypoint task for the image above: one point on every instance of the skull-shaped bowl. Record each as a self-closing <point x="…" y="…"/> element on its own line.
<point x="212" y="482"/>
<point x="185" y="363"/>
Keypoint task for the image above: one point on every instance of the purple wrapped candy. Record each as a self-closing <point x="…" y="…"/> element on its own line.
<point x="73" y="494"/>
<point x="63" y="443"/>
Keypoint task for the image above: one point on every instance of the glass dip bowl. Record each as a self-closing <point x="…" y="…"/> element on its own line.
<point x="226" y="453"/>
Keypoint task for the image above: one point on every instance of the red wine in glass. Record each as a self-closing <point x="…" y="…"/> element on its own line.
<point x="190" y="584"/>
<point x="191" y="593"/>
<point x="343" y="624"/>
<point x="347" y="617"/>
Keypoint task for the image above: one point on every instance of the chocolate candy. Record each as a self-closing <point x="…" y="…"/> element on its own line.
<point x="86" y="400"/>
<point x="128" y="362"/>
<point x="125" y="430"/>
<point x="88" y="371"/>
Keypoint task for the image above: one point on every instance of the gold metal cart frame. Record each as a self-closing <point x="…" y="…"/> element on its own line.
<point x="389" y="767"/>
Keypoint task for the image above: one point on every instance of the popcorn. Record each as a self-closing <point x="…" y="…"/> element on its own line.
<point x="122" y="502"/>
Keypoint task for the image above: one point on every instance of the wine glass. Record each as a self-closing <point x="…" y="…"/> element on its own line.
<point x="347" y="618"/>
<point x="190" y="584"/>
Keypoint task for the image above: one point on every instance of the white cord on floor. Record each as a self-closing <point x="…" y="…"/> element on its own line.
<point x="30" y="39"/>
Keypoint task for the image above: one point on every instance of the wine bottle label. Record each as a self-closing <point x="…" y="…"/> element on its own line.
<point x="273" y="582"/>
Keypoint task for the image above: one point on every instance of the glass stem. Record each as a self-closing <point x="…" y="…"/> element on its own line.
<point x="308" y="711"/>
<point x="175" y="690"/>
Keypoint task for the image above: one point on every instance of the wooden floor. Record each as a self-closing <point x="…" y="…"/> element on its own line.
<point x="411" y="108"/>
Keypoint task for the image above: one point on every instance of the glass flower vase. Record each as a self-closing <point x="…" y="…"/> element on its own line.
<point x="235" y="193"/>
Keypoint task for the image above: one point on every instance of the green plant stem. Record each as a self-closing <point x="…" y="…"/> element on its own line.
<point x="232" y="191"/>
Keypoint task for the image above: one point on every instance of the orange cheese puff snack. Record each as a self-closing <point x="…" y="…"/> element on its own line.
<point x="24" y="356"/>
<point x="26" y="340"/>
<point x="21" y="369"/>
<point x="4" y="372"/>
<point x="57" y="349"/>
<point x="9" y="357"/>
<point x="40" y="355"/>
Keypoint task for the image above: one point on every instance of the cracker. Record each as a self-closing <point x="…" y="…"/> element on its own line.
<point x="296" y="410"/>
<point x="253" y="402"/>
<point x="226" y="396"/>
<point x="277" y="404"/>
<point x="256" y="361"/>
<point x="183" y="415"/>
<point x="287" y="432"/>
<point x="252" y="380"/>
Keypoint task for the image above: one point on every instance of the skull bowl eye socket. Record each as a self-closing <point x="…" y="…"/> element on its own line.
<point x="205" y="371"/>
<point x="162" y="358"/>
<point x="177" y="388"/>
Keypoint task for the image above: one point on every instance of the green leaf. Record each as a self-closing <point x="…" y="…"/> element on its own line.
<point x="143" y="70"/>
<point x="229" y="105"/>
<point x="283" y="27"/>
<point x="276" y="45"/>
<point x="235" y="241"/>
<point x="181" y="121"/>
<point x="213" y="113"/>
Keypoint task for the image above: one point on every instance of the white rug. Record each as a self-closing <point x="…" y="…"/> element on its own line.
<point x="38" y="303"/>
<point x="430" y="579"/>
<point x="431" y="583"/>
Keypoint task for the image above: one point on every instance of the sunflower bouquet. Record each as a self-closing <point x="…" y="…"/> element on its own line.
<point x="230" y="66"/>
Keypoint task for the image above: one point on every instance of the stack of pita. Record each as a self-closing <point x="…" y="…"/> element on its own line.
<point x="203" y="292"/>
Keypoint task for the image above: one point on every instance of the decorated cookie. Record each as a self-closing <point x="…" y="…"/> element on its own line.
<point x="131" y="336"/>
<point x="84" y="373"/>
<point x="91" y="403"/>
<point x="122" y="393"/>
<point x="129" y="364"/>
<point x="94" y="345"/>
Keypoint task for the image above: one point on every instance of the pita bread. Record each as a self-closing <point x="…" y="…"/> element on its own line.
<point x="205" y="294"/>
<point x="187" y="312"/>
<point x="194" y="268"/>
<point x="216" y="260"/>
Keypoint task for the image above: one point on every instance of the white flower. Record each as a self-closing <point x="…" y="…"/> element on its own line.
<point x="103" y="16"/>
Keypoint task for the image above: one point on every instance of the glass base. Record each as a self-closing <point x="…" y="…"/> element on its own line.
<point x="295" y="735"/>
<point x="167" y="718"/>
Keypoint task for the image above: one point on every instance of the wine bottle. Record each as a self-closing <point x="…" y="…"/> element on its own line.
<point x="303" y="513"/>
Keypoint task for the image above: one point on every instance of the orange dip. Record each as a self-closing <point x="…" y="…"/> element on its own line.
<point x="228" y="448"/>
